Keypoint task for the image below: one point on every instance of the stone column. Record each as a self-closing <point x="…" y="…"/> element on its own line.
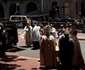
<point x="42" y="5"/>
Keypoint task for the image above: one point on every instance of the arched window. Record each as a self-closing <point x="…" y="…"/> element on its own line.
<point x="31" y="7"/>
<point x="1" y="11"/>
<point x="66" y="8"/>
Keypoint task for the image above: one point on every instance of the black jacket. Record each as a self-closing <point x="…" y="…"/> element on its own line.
<point x="66" y="47"/>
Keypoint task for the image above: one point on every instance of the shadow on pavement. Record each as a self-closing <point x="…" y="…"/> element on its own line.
<point x="25" y="46"/>
<point x="8" y="66"/>
<point x="34" y="68"/>
<point x="9" y="58"/>
<point x="48" y="68"/>
<point x="35" y="48"/>
<point x="5" y="62"/>
<point x="15" y="49"/>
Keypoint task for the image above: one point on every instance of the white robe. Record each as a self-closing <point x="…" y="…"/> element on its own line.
<point x="28" y="36"/>
<point x="53" y="31"/>
<point x="35" y="34"/>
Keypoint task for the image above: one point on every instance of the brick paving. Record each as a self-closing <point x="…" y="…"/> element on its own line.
<point x="81" y="36"/>
<point x="14" y="62"/>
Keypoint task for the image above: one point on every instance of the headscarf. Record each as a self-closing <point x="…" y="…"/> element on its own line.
<point x="47" y="30"/>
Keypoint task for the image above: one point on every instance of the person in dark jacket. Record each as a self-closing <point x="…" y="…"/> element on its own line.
<point x="3" y="48"/>
<point x="61" y="30"/>
<point x="66" y="47"/>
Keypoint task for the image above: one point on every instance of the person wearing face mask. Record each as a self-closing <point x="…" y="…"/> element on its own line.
<point x="66" y="50"/>
<point x="78" y="60"/>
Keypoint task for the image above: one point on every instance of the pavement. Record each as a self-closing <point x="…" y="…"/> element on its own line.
<point x="13" y="60"/>
<point x="81" y="36"/>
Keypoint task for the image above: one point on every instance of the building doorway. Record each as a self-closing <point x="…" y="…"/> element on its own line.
<point x="14" y="9"/>
<point x="55" y="9"/>
<point x="31" y="7"/>
<point x="1" y="11"/>
<point x="66" y="8"/>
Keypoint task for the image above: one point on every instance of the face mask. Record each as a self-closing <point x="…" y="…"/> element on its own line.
<point x="66" y="32"/>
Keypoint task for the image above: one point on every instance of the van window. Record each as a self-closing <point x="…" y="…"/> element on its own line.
<point x="12" y="18"/>
<point x="24" y="18"/>
<point x="16" y="18"/>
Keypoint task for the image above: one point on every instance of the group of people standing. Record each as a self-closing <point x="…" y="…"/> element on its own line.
<point x="44" y="37"/>
<point x="69" y="55"/>
<point x="31" y="35"/>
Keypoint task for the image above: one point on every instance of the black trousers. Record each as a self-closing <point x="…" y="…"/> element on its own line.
<point x="36" y="44"/>
<point x="3" y="49"/>
<point x="66" y="64"/>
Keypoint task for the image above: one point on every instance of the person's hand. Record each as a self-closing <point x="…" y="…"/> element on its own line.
<point x="19" y="33"/>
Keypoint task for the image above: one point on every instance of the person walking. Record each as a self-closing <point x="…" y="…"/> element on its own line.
<point x="28" y="34"/>
<point x="61" y="30"/>
<point x="3" y="41"/>
<point x="66" y="50"/>
<point x="47" y="50"/>
<point x="35" y="37"/>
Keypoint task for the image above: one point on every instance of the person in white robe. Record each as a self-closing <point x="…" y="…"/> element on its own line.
<point x="53" y="32"/>
<point x="28" y="34"/>
<point x="36" y="37"/>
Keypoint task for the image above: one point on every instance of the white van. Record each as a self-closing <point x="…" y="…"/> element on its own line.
<point x="18" y="18"/>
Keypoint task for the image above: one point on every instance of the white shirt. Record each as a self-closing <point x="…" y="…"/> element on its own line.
<point x="26" y="29"/>
<point x="38" y="27"/>
<point x="53" y="31"/>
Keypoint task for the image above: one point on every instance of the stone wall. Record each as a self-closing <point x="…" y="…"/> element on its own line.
<point x="44" y="7"/>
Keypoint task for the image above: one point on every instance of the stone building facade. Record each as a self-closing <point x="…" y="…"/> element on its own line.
<point x="71" y="8"/>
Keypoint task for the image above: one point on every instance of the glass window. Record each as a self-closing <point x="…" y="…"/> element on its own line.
<point x="13" y="18"/>
<point x="18" y="18"/>
<point x="23" y="18"/>
<point x="66" y="8"/>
